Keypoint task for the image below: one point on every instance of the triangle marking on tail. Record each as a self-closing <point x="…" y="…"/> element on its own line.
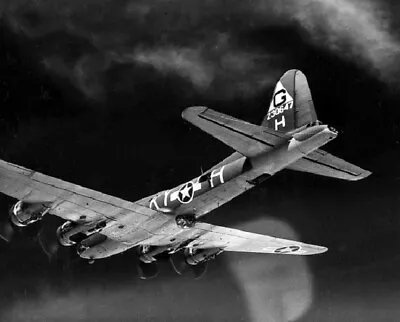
<point x="281" y="101"/>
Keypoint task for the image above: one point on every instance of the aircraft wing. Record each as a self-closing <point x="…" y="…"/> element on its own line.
<point x="324" y="164"/>
<point x="210" y="236"/>
<point x="76" y="203"/>
<point x="68" y="200"/>
<point x="246" y="138"/>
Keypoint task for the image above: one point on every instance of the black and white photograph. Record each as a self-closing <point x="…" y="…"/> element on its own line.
<point x="199" y="160"/>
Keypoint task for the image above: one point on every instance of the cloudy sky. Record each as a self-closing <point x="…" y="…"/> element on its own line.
<point x="92" y="91"/>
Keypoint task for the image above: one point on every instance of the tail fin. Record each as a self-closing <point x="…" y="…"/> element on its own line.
<point x="291" y="106"/>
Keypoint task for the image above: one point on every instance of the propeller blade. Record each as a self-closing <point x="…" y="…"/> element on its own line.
<point x="178" y="262"/>
<point x="181" y="267"/>
<point x="6" y="231"/>
<point x="49" y="243"/>
<point x="199" y="270"/>
<point x="147" y="271"/>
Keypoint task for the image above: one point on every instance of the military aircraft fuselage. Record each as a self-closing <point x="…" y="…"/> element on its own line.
<point x="273" y="160"/>
<point x="168" y="202"/>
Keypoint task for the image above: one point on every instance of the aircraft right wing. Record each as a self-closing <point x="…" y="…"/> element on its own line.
<point x="324" y="164"/>
<point x="205" y="236"/>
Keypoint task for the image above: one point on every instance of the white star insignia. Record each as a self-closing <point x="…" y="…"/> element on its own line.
<point x="185" y="194"/>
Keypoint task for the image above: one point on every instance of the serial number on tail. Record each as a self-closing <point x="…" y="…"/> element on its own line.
<point x="279" y="110"/>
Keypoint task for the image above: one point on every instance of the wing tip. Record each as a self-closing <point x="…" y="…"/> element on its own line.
<point x="190" y="112"/>
<point x="315" y="250"/>
<point x="322" y="250"/>
<point x="364" y="174"/>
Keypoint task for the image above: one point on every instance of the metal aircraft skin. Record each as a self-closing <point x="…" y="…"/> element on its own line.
<point x="100" y="225"/>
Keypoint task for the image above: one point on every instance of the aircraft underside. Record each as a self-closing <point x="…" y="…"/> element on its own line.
<point x="167" y="225"/>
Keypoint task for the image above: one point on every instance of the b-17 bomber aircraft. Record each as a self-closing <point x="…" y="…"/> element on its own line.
<point x="168" y="223"/>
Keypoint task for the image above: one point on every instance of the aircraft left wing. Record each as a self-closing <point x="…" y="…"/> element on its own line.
<point x="67" y="200"/>
<point x="228" y="239"/>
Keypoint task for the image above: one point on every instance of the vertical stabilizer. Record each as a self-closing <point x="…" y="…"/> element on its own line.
<point x="291" y="105"/>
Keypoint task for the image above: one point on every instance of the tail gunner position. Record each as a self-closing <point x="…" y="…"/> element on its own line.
<point x="99" y="225"/>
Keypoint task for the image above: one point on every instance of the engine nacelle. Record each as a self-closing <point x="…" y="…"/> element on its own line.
<point x="91" y="242"/>
<point x="24" y="213"/>
<point x="197" y="256"/>
<point x="70" y="233"/>
<point x="64" y="232"/>
<point x="147" y="253"/>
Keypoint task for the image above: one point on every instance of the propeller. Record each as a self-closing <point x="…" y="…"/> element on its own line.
<point x="6" y="231"/>
<point x="178" y="262"/>
<point x="147" y="271"/>
<point x="45" y="236"/>
<point x="47" y="240"/>
<point x="181" y="266"/>
<point x="199" y="270"/>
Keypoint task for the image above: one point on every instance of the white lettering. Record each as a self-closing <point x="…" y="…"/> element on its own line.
<point x="166" y="193"/>
<point x="279" y="110"/>
<point x="281" y="98"/>
<point x="281" y="122"/>
<point x="153" y="204"/>
<point x="217" y="173"/>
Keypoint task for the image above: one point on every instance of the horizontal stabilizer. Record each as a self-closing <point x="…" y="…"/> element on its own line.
<point x="324" y="164"/>
<point x="245" y="138"/>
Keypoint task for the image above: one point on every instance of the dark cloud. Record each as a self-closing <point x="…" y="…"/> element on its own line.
<point x="202" y="42"/>
<point x="357" y="30"/>
<point x="191" y="40"/>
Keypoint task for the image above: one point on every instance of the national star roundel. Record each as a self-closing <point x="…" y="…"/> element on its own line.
<point x="186" y="192"/>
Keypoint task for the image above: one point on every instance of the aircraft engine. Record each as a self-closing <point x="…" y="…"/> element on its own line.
<point x="64" y="232"/>
<point x="24" y="213"/>
<point x="71" y="233"/>
<point x="147" y="253"/>
<point x="197" y="256"/>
